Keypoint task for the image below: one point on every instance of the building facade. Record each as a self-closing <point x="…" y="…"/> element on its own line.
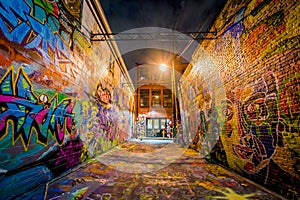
<point x="156" y="107"/>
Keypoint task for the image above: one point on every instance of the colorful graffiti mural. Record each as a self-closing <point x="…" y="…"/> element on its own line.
<point x="31" y="123"/>
<point x="257" y="122"/>
<point x="54" y="39"/>
<point x="23" y="113"/>
<point x="253" y="133"/>
<point x="37" y="32"/>
<point x="257" y="115"/>
<point x="53" y="117"/>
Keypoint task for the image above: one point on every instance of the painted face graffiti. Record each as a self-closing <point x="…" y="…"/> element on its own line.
<point x="258" y="120"/>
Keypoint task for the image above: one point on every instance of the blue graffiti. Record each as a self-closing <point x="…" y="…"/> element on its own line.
<point x="18" y="26"/>
<point x="23" y="114"/>
<point x="237" y="27"/>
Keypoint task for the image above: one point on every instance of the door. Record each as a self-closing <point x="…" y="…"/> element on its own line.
<point x="154" y="125"/>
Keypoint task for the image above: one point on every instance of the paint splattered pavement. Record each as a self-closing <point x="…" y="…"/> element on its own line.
<point x="153" y="171"/>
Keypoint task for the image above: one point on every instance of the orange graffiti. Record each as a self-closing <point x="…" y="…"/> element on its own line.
<point x="8" y="54"/>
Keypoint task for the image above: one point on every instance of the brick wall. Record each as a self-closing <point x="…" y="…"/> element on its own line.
<point x="241" y="93"/>
<point x="61" y="96"/>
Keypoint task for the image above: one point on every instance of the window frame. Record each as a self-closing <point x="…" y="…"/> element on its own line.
<point x="144" y="96"/>
<point x="167" y="104"/>
<point x="156" y="102"/>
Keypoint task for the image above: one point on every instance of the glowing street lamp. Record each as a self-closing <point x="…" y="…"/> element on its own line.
<point x="163" y="67"/>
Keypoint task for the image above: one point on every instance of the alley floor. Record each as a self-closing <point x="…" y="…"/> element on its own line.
<point x="157" y="170"/>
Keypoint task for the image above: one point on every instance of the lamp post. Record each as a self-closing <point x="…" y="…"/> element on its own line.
<point x="174" y="89"/>
<point x="137" y="100"/>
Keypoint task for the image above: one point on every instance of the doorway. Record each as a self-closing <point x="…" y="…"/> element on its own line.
<point x="154" y="125"/>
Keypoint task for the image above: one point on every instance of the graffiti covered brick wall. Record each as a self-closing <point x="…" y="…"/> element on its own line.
<point x="241" y="93"/>
<point x="61" y="96"/>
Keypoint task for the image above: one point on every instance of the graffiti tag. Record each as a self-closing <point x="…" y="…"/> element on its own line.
<point x="23" y="113"/>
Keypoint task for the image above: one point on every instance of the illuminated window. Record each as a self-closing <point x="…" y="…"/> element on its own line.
<point x="144" y="98"/>
<point x="156" y="98"/>
<point x="167" y="98"/>
<point x="156" y="124"/>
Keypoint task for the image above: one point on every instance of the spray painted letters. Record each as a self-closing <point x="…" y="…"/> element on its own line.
<point x="23" y="113"/>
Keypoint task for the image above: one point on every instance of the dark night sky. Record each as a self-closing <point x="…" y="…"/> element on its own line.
<point x="179" y="15"/>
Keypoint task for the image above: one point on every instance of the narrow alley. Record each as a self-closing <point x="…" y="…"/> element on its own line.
<point x="149" y="99"/>
<point x="136" y="170"/>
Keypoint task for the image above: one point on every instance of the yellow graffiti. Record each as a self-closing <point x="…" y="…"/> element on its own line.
<point x="82" y="43"/>
<point x="275" y="45"/>
<point x="231" y="195"/>
<point x="246" y="93"/>
<point x="206" y="185"/>
<point x="216" y="170"/>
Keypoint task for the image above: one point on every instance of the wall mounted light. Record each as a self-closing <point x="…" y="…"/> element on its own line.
<point x="163" y="67"/>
